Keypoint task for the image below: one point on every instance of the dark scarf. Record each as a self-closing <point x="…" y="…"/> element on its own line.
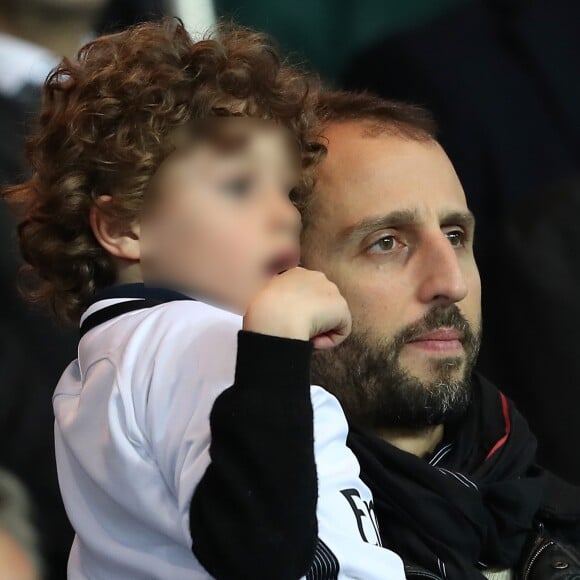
<point x="470" y="505"/>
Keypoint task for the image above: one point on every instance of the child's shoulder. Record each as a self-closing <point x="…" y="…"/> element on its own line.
<point x="193" y="316"/>
<point x="177" y="338"/>
<point x="194" y="323"/>
<point x="183" y="322"/>
<point x="124" y="324"/>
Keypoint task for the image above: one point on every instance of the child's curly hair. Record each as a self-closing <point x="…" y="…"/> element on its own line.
<point x="105" y="127"/>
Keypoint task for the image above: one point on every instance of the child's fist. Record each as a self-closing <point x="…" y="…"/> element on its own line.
<point x="300" y="304"/>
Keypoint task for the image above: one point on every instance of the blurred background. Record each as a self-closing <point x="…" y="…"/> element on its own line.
<point x="502" y="78"/>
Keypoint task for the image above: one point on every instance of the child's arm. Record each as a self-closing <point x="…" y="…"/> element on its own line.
<point x="253" y="515"/>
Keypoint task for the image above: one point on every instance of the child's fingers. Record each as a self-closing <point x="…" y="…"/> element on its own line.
<point x="334" y="337"/>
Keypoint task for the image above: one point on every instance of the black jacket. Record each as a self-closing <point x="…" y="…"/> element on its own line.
<point x="553" y="549"/>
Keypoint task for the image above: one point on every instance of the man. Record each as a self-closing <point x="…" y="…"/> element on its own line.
<point x="514" y="136"/>
<point x="450" y="461"/>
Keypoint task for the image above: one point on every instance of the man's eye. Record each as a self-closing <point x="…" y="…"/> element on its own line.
<point x="456" y="238"/>
<point x="385" y="244"/>
<point x="238" y="187"/>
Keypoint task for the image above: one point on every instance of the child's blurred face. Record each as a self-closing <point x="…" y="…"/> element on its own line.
<point x="221" y="222"/>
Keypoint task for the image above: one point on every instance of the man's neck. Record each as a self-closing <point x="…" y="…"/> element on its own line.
<point x="420" y="443"/>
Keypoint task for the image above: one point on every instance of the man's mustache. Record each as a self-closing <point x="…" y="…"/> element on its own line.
<point x="438" y="317"/>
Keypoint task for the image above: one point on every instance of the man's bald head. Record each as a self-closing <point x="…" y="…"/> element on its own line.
<point x="373" y="116"/>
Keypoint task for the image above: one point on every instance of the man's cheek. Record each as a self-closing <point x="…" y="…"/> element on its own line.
<point x="371" y="301"/>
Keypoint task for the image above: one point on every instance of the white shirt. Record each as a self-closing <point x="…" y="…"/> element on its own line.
<point x="132" y="441"/>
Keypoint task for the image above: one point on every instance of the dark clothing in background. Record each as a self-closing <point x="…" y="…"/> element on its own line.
<point x="120" y="14"/>
<point x="11" y="140"/>
<point x="537" y="255"/>
<point x="33" y="354"/>
<point x="502" y="80"/>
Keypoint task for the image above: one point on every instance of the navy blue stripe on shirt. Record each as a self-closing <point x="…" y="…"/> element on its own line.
<point x="110" y="312"/>
<point x="140" y="296"/>
<point x="138" y="290"/>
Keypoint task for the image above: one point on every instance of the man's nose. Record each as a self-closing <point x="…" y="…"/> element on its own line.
<point x="442" y="280"/>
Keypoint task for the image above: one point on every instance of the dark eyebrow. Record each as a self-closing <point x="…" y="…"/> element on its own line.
<point x="465" y="219"/>
<point x="391" y="220"/>
<point x="404" y="217"/>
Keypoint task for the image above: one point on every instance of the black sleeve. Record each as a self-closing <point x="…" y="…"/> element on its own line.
<point x="253" y="515"/>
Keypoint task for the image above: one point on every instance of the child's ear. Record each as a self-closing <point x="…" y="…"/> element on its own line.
<point x="119" y="238"/>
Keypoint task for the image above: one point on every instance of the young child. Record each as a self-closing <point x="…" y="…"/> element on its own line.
<point x="189" y="442"/>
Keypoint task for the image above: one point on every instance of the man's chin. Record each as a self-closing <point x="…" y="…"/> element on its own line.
<point x="429" y="369"/>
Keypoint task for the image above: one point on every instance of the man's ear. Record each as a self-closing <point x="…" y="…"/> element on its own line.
<point x="119" y="238"/>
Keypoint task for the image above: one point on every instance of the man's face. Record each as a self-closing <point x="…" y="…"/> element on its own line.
<point x="389" y="225"/>
<point x="220" y="222"/>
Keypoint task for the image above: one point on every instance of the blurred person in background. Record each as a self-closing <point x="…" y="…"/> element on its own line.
<point x="34" y="34"/>
<point x="311" y="29"/>
<point x="501" y="77"/>
<point x="19" y="554"/>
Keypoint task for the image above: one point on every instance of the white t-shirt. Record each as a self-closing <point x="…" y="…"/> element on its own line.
<point x="132" y="443"/>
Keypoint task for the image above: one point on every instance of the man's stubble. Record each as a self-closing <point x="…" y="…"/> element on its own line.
<point x="377" y="392"/>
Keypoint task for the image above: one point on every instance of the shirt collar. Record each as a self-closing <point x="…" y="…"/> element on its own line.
<point x="139" y="290"/>
<point x="117" y="300"/>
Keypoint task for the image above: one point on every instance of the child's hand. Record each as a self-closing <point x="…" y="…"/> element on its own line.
<point x="300" y="304"/>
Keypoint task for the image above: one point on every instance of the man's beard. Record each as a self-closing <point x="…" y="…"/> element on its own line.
<point x="376" y="392"/>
